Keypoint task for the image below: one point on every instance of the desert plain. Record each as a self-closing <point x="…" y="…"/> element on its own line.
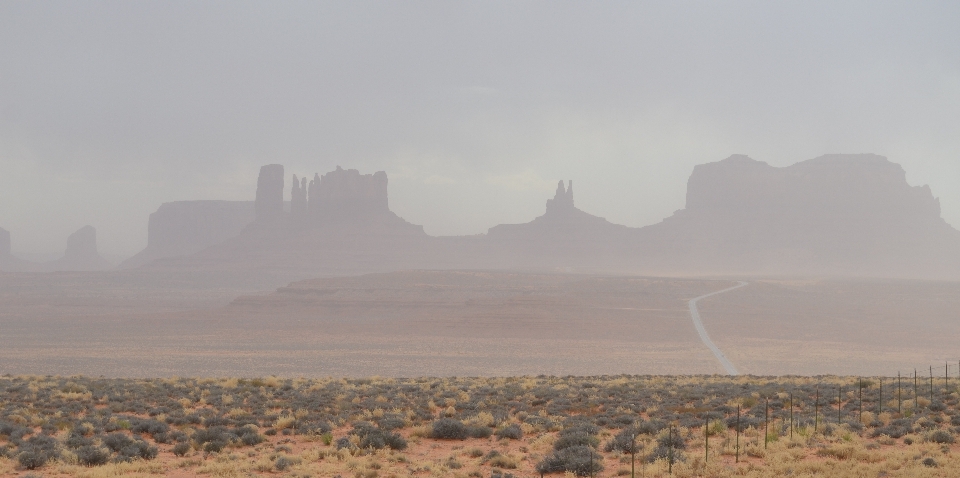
<point x="471" y="323"/>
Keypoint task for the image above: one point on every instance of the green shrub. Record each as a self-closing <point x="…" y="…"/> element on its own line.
<point x="513" y="432"/>
<point x="942" y="437"/>
<point x="449" y="429"/>
<point x="181" y="449"/>
<point x="32" y="459"/>
<point x="580" y="460"/>
<point x="92" y="455"/>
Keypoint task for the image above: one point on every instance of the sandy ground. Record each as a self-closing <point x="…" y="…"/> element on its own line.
<point x="414" y="324"/>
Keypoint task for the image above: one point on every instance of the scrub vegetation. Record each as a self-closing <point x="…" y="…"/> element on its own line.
<point x="479" y="427"/>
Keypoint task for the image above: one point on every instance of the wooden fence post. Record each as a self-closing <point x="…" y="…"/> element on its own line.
<point x="766" y="424"/>
<point x="816" y="410"/>
<point x="738" y="434"/>
<point x="899" y="399"/>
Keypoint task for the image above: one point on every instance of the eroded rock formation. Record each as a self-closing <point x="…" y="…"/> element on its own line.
<point x="837" y="214"/>
<point x="81" y="253"/>
<point x="269" y="200"/>
<point x="298" y="197"/>
<point x="562" y="200"/>
<point x="840" y="215"/>
<point x="345" y="194"/>
<point x="185" y="227"/>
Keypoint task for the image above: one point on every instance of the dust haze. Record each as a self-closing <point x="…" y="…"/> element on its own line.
<point x="478" y="189"/>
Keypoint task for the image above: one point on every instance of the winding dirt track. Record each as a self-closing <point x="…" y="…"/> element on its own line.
<point x="695" y="315"/>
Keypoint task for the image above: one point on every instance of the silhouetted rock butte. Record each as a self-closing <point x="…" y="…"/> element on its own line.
<point x="849" y="214"/>
<point x="9" y="262"/>
<point x="181" y="228"/>
<point x="269" y="199"/>
<point x="844" y="215"/>
<point x="563" y="237"/>
<point x="81" y="253"/>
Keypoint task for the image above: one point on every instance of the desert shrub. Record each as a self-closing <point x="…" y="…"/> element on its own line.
<point x="513" y="432"/>
<point x="745" y="422"/>
<point x="664" y="453"/>
<point x="941" y="436"/>
<point x="343" y="442"/>
<point x="580" y="460"/>
<point x="937" y="407"/>
<point x="210" y="435"/>
<point x="669" y="444"/>
<point x="373" y="437"/>
<point x="37" y="451"/>
<point x="117" y="441"/>
<point x="449" y="429"/>
<point x="89" y="455"/>
<point x="139" y="449"/>
<point x="930" y="462"/>
<point x="31" y="459"/>
<point x="217" y="421"/>
<point x="151" y="427"/>
<point x="251" y="438"/>
<point x="215" y="446"/>
<point x="315" y="428"/>
<point x="479" y="432"/>
<point x="75" y="441"/>
<point x="181" y="449"/>
<point x="623" y="441"/>
<point x="895" y="429"/>
<point x="282" y="463"/>
<point x="650" y="427"/>
<point x="577" y="437"/>
<point x="13" y="431"/>
<point x="391" y="423"/>
<point x="579" y="425"/>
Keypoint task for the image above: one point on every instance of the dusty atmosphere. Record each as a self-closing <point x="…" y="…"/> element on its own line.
<point x="470" y="323"/>
<point x="479" y="239"/>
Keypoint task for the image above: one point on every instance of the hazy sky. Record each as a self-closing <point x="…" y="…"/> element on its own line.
<point x="474" y="110"/>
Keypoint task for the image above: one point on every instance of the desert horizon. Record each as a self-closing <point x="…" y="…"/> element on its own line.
<point x="479" y="239"/>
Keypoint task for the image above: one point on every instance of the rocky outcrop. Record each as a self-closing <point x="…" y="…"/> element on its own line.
<point x="347" y="195"/>
<point x="836" y="214"/>
<point x="345" y="198"/>
<point x="81" y="253"/>
<point x="9" y="262"/>
<point x="298" y="197"/>
<point x="269" y="199"/>
<point x="562" y="200"/>
<point x="185" y="227"/>
<point x="563" y="237"/>
<point x="839" y="215"/>
<point x="561" y="220"/>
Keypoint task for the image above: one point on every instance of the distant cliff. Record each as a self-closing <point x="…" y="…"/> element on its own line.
<point x="563" y="237"/>
<point x="836" y="214"/>
<point x="81" y="253"/>
<point x="9" y="262"/>
<point x="185" y="227"/>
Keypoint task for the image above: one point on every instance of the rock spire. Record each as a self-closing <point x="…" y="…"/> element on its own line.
<point x="563" y="199"/>
<point x="269" y="202"/>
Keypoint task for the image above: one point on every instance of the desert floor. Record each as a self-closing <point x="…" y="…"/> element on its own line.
<point x="472" y="324"/>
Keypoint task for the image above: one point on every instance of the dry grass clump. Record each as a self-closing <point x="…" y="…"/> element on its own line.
<point x="81" y="426"/>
